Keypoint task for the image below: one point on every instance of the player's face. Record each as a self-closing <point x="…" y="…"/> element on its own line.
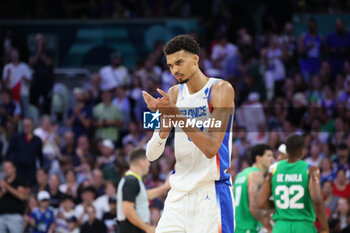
<point x="182" y="65"/>
<point x="267" y="159"/>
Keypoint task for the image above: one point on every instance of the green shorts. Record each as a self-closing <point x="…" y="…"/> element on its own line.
<point x="282" y="226"/>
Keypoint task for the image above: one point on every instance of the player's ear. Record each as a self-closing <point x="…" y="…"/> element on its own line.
<point x="195" y="58"/>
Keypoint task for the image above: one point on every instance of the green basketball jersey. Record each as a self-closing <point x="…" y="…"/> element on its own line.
<point x="243" y="218"/>
<point x="289" y="187"/>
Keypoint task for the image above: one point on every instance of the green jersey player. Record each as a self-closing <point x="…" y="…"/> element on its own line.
<point x="246" y="186"/>
<point x="295" y="187"/>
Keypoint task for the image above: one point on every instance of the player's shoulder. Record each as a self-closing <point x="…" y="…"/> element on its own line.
<point x="222" y="85"/>
<point x="173" y="92"/>
<point x="314" y="170"/>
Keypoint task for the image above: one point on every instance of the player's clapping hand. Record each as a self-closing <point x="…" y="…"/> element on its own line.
<point x="157" y="103"/>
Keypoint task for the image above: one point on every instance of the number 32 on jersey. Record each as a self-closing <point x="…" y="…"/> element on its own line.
<point x="289" y="196"/>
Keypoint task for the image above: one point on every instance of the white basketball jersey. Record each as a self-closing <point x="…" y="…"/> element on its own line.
<point x="193" y="169"/>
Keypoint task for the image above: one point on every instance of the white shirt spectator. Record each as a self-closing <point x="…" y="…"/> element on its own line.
<point x="50" y="148"/>
<point x="79" y="211"/>
<point x="17" y="73"/>
<point x="223" y="51"/>
<point x="101" y="204"/>
<point x="110" y="78"/>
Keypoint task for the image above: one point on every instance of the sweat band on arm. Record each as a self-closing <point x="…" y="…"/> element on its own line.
<point x="155" y="146"/>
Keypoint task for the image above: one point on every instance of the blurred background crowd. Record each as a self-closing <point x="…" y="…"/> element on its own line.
<point x="77" y="150"/>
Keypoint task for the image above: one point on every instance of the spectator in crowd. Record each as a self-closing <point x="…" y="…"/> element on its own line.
<point x="10" y="110"/>
<point x="41" y="181"/>
<point x="47" y="132"/>
<point x="24" y="150"/>
<point x="289" y="42"/>
<point x="73" y="225"/>
<point x="342" y="159"/>
<point x="93" y="224"/>
<point x="221" y="51"/>
<point x="310" y="46"/>
<point x="98" y="182"/>
<point x="342" y="212"/>
<point x="121" y="100"/>
<point x="17" y="76"/>
<point x="70" y="186"/>
<point x="115" y="74"/>
<point x="101" y="202"/>
<point x="330" y="199"/>
<point x="338" y="46"/>
<point x="55" y="194"/>
<point x="107" y="118"/>
<point x="69" y="144"/>
<point x="149" y="72"/>
<point x="273" y="57"/>
<point x="94" y="90"/>
<point x="88" y="195"/>
<point x="132" y="200"/>
<point x="341" y="187"/>
<point x="82" y="152"/>
<point x="79" y="118"/>
<point x="315" y="157"/>
<point x="107" y="157"/>
<point x="42" y="61"/>
<point x="42" y="218"/>
<point x="110" y="216"/>
<point x="327" y="172"/>
<point x="134" y="136"/>
<point x="13" y="195"/>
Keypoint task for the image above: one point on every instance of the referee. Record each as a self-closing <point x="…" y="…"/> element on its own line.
<point x="133" y="198"/>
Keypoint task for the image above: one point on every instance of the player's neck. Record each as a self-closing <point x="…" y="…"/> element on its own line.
<point x="260" y="167"/>
<point x="293" y="160"/>
<point x="197" y="82"/>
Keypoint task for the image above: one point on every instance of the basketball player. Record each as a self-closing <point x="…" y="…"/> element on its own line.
<point x="246" y="187"/>
<point x="295" y="187"/>
<point x="200" y="199"/>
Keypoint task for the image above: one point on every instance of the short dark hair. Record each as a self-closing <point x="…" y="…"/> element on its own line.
<point x="258" y="150"/>
<point x="294" y="145"/>
<point x="342" y="146"/>
<point x="182" y="42"/>
<point x="137" y="154"/>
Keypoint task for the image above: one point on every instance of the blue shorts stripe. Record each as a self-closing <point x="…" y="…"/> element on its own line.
<point x="225" y="202"/>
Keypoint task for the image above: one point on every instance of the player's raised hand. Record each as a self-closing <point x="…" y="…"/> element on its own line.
<point x="157" y="103"/>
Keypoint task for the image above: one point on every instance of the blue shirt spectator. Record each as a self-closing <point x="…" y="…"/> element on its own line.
<point x="338" y="47"/>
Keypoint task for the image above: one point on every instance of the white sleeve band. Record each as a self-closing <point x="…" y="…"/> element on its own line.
<point x="155" y="146"/>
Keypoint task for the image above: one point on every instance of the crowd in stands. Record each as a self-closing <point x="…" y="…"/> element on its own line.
<point x="283" y="85"/>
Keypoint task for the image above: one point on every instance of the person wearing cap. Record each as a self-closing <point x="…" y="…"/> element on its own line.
<point x="107" y="157"/>
<point x="42" y="218"/>
<point x="79" y="117"/>
<point x="13" y="194"/>
<point x="133" y="213"/>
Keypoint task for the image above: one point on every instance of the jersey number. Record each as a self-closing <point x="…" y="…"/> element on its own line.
<point x="238" y="193"/>
<point x="285" y="201"/>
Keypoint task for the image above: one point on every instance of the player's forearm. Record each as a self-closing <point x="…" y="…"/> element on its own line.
<point x="155" y="146"/>
<point x="321" y="214"/>
<point x="156" y="192"/>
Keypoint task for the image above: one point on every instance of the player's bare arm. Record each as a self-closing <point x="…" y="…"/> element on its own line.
<point x="265" y="193"/>
<point x="317" y="199"/>
<point x="222" y="103"/>
<point x="255" y="180"/>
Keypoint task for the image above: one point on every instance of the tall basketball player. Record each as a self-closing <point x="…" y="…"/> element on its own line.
<point x="200" y="199"/>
